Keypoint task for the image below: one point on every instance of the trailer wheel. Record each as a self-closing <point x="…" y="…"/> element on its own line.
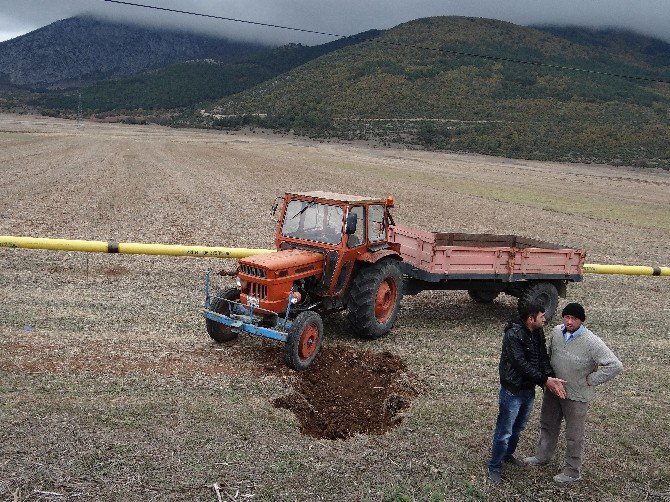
<point x="544" y="293"/>
<point x="303" y="341"/>
<point x="482" y="295"/>
<point x="220" y="332"/>
<point x="374" y="299"/>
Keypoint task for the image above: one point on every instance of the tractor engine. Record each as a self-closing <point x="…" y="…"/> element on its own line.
<point x="266" y="280"/>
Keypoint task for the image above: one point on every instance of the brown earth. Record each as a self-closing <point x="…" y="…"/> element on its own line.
<point x="110" y="388"/>
<point x="349" y="392"/>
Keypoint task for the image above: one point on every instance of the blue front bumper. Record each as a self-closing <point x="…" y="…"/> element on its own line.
<point x="242" y="326"/>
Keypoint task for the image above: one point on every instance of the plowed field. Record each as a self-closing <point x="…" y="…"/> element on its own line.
<point x="110" y="388"/>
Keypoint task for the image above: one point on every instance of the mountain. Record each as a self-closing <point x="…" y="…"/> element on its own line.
<point x="414" y="85"/>
<point x="413" y="71"/>
<point x="186" y="84"/>
<point x="80" y="50"/>
<point x="447" y="83"/>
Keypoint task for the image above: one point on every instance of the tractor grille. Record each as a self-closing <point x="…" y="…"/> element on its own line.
<point x="258" y="290"/>
<point x="253" y="271"/>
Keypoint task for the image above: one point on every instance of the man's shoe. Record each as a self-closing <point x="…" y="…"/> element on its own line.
<point x="494" y="477"/>
<point x="515" y="461"/>
<point x="534" y="461"/>
<point x="564" y="479"/>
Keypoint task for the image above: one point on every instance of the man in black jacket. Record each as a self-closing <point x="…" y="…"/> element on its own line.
<point x="524" y="363"/>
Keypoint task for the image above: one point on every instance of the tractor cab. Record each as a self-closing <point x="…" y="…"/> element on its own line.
<point x="333" y="221"/>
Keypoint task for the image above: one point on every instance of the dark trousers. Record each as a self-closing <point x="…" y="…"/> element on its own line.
<point x="554" y="410"/>
<point x="513" y="413"/>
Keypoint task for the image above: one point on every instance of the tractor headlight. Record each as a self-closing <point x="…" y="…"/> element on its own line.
<point x="238" y="282"/>
<point x="295" y="297"/>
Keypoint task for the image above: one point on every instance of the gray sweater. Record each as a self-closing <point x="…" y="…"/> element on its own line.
<point x="585" y="362"/>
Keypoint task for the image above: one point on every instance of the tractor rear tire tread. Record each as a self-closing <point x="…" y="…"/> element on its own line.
<point x="362" y="298"/>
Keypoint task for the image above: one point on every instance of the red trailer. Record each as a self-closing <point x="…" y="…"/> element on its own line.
<point x="486" y="265"/>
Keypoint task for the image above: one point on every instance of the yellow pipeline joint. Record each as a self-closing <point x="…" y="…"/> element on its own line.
<point x="595" y="268"/>
<point x="9" y="241"/>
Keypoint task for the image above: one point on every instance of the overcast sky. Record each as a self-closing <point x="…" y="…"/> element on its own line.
<point x="345" y="17"/>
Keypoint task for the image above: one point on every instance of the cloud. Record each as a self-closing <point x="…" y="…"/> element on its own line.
<point x="341" y="17"/>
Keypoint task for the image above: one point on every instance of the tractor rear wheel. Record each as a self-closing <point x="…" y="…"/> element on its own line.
<point x="374" y="299"/>
<point x="303" y="341"/>
<point x="483" y="295"/>
<point x="543" y="293"/>
<point x="220" y="332"/>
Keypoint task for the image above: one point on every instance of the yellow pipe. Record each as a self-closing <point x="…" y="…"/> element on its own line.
<point x="9" y="241"/>
<point x="596" y="268"/>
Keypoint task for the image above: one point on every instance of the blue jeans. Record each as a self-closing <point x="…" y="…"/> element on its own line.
<point x="513" y="415"/>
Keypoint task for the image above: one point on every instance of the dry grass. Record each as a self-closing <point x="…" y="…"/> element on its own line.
<point x="117" y="393"/>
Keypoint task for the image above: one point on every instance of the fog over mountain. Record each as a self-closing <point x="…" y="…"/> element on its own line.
<point x="341" y="17"/>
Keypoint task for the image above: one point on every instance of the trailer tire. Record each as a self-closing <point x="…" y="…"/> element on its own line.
<point x="220" y="332"/>
<point x="303" y="340"/>
<point x="543" y="293"/>
<point x="374" y="299"/>
<point x="483" y="295"/>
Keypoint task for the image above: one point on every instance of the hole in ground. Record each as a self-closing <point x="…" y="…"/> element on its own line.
<point x="349" y="392"/>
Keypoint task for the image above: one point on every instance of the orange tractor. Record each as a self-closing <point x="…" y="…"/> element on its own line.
<point x="337" y="252"/>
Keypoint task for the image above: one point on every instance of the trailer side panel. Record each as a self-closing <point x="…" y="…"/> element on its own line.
<point x="485" y="257"/>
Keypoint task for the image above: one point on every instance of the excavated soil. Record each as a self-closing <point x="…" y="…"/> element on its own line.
<point x="349" y="392"/>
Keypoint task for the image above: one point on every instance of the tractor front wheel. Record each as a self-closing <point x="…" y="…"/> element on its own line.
<point x="303" y="341"/>
<point x="220" y="332"/>
<point x="374" y="299"/>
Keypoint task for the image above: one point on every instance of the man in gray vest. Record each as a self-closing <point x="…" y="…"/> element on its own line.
<point x="584" y="361"/>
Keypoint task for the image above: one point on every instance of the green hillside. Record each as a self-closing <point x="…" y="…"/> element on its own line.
<point x="397" y="89"/>
<point x="412" y="85"/>
<point x="651" y="51"/>
<point x="177" y="86"/>
<point x="187" y="84"/>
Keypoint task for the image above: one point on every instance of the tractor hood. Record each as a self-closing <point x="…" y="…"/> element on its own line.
<point x="290" y="262"/>
<point x="269" y="278"/>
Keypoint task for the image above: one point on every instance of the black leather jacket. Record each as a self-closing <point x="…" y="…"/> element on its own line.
<point x="524" y="362"/>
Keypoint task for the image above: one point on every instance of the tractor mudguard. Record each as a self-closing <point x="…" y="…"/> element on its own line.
<point x="375" y="256"/>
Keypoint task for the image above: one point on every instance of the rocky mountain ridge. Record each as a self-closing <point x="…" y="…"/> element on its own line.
<point x="81" y="50"/>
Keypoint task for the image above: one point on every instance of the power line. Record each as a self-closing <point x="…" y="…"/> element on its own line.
<point x="399" y="44"/>
<point x="211" y="16"/>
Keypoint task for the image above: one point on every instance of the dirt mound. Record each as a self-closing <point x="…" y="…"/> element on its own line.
<point x="349" y="392"/>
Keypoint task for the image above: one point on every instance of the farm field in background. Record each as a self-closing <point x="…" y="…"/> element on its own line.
<point x="111" y="389"/>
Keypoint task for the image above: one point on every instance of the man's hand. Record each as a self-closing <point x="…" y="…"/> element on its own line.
<point x="555" y="386"/>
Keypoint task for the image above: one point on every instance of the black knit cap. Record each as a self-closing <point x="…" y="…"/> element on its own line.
<point x="575" y="310"/>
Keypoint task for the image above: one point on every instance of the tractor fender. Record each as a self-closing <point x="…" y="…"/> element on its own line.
<point x="375" y="256"/>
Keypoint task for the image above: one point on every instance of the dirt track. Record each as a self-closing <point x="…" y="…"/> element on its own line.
<point x="110" y="386"/>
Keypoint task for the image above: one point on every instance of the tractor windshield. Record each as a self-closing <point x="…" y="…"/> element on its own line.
<point x="313" y="221"/>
